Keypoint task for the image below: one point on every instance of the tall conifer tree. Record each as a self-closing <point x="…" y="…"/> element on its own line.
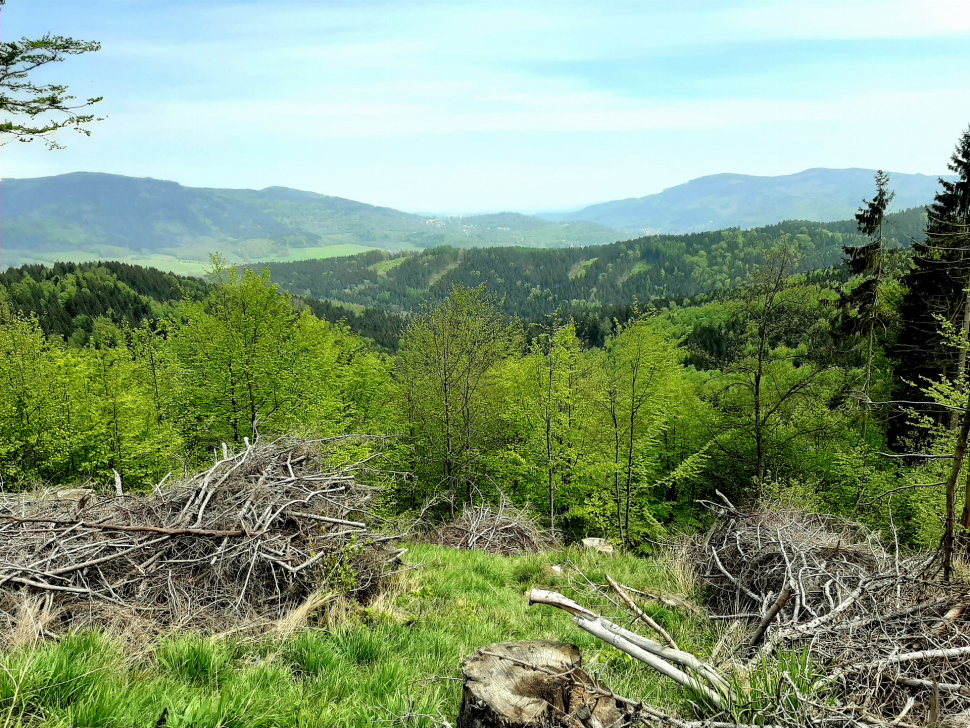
<point x="868" y="261"/>
<point x="937" y="290"/>
<point x="937" y="302"/>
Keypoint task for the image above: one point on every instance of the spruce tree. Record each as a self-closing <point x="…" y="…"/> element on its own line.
<point x="938" y="299"/>
<point x="936" y="291"/>
<point x="867" y="262"/>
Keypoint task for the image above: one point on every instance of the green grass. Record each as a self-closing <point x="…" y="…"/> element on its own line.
<point x="384" y="266"/>
<point x="404" y="652"/>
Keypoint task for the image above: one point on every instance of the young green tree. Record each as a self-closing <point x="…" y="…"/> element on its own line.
<point x="642" y="377"/>
<point x="776" y="393"/>
<point x="29" y="374"/>
<point x="123" y="430"/>
<point x="240" y="350"/>
<point x="447" y="366"/>
<point x="555" y="398"/>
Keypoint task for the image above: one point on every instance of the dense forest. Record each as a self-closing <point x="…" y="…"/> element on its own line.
<point x="760" y="363"/>
<point x="535" y="282"/>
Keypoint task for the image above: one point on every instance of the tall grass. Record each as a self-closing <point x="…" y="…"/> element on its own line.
<point x="401" y="655"/>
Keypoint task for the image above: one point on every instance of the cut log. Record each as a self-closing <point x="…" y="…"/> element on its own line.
<point x="536" y="683"/>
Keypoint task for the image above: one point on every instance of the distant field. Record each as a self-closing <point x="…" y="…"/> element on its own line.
<point x="17" y="258"/>
<point x="329" y="251"/>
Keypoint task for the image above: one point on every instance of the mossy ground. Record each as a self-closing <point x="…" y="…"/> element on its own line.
<point x="400" y="655"/>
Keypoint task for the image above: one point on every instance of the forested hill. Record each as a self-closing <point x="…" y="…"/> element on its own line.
<point x="88" y="216"/>
<point x="745" y="201"/>
<point x="70" y="300"/>
<point x="536" y="282"/>
<point x="78" y="302"/>
<point x="369" y="291"/>
<point x="83" y="215"/>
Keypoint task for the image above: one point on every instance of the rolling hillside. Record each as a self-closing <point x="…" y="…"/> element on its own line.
<point x="535" y="282"/>
<point x="374" y="292"/>
<point x="87" y="216"/>
<point x="737" y="200"/>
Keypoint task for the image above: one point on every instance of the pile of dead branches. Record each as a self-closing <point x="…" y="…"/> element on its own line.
<point x="824" y="624"/>
<point x="258" y="535"/>
<point x="889" y="642"/>
<point x="751" y="559"/>
<point x="505" y="530"/>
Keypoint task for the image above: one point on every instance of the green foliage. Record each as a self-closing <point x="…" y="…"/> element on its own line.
<point x="775" y="400"/>
<point x="110" y="367"/>
<point x="37" y="111"/>
<point x="446" y="371"/>
<point x="148" y="399"/>
<point x="538" y="282"/>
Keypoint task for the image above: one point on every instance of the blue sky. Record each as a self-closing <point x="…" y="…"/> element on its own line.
<point x="474" y="106"/>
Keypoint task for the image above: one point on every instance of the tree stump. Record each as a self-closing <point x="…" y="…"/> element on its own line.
<point x="535" y="683"/>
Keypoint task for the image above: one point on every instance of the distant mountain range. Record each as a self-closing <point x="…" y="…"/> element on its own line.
<point x="89" y="216"/>
<point x="737" y="200"/>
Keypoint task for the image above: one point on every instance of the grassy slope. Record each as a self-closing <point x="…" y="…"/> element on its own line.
<point x="400" y="654"/>
<point x="86" y="216"/>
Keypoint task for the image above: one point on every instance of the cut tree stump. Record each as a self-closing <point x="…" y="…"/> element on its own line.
<point x="535" y="683"/>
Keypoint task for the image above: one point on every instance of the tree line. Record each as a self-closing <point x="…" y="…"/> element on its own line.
<point x="842" y="388"/>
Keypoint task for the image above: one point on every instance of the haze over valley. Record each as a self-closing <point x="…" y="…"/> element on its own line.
<point x="89" y="216"/>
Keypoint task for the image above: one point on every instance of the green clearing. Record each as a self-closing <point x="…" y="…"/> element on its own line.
<point x="579" y="270"/>
<point x="401" y="653"/>
<point x="385" y="265"/>
<point x="435" y="277"/>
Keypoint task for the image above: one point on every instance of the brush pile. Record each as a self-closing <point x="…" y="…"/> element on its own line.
<point x="883" y="640"/>
<point x="507" y="531"/>
<point x="827" y="626"/>
<point x="246" y="542"/>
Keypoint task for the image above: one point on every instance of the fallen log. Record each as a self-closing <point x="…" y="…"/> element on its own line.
<point x="641" y="614"/>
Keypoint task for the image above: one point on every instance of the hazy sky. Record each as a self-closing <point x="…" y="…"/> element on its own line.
<point x="474" y="106"/>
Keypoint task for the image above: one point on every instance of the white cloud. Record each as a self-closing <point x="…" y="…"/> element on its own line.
<point x="465" y="102"/>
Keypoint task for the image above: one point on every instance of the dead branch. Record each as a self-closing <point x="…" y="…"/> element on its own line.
<point x="248" y="540"/>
